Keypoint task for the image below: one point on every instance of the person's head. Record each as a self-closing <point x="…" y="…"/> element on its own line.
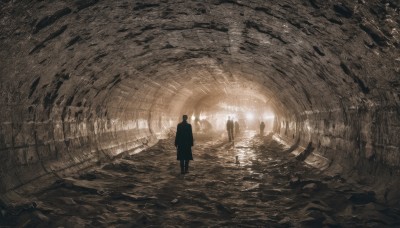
<point x="184" y="117"/>
<point x="229" y="117"/>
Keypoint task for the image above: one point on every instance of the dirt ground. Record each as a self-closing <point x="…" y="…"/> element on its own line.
<point x="265" y="187"/>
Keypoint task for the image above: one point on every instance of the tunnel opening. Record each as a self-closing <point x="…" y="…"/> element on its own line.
<point x="247" y="108"/>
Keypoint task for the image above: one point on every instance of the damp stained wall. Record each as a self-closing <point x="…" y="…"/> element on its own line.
<point x="87" y="80"/>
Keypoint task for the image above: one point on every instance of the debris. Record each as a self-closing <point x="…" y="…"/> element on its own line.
<point x="362" y="197"/>
<point x="130" y="197"/>
<point x="294" y="181"/>
<point x="40" y="216"/>
<point x="314" y="206"/>
<point x="285" y="221"/>
<point x="252" y="188"/>
<point x="312" y="187"/>
<point x="88" y="176"/>
<point x="311" y="222"/>
<point x="224" y="209"/>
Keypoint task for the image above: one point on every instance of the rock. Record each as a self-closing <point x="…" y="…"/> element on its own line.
<point x="45" y="207"/>
<point x="111" y="208"/>
<point x="330" y="222"/>
<point x="224" y="209"/>
<point x="274" y="191"/>
<point x="160" y="205"/>
<point x="312" y="187"/>
<point x="311" y="222"/>
<point x="67" y="201"/>
<point x="175" y="201"/>
<point x="362" y="197"/>
<point x="41" y="217"/>
<point x="88" y="176"/>
<point x="143" y="219"/>
<point x="316" y="215"/>
<point x="130" y="197"/>
<point x="285" y="221"/>
<point x="85" y="210"/>
<point x="33" y="219"/>
<point x="294" y="181"/>
<point x="252" y="188"/>
<point x="314" y="206"/>
<point x="305" y="195"/>
<point x="86" y="186"/>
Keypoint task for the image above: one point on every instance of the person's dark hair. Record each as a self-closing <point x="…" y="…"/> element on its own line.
<point x="184" y="117"/>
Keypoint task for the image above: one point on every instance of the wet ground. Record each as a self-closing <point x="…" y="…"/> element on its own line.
<point x="264" y="187"/>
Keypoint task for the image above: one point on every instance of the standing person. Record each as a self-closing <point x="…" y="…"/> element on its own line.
<point x="229" y="128"/>
<point x="237" y="129"/>
<point x="262" y="127"/>
<point x="184" y="143"/>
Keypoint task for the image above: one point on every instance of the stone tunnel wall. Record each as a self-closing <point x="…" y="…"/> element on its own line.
<point x="88" y="79"/>
<point x="359" y="138"/>
<point x="38" y="142"/>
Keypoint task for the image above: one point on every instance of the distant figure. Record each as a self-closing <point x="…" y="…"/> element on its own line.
<point x="184" y="143"/>
<point x="229" y="128"/>
<point x="237" y="129"/>
<point x="262" y="127"/>
<point x="197" y="125"/>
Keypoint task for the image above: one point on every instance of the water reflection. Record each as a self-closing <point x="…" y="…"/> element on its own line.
<point x="243" y="148"/>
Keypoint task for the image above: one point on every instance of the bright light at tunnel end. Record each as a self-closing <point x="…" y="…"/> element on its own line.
<point x="249" y="116"/>
<point x="269" y="116"/>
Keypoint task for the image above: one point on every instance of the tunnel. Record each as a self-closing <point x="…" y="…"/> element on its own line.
<point x="84" y="82"/>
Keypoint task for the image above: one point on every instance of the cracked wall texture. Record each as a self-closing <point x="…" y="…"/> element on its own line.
<point x="86" y="80"/>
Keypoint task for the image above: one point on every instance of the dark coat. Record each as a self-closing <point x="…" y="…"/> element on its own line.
<point x="262" y="126"/>
<point x="229" y="125"/>
<point x="184" y="141"/>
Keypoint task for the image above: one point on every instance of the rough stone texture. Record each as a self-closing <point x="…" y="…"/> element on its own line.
<point x="86" y="80"/>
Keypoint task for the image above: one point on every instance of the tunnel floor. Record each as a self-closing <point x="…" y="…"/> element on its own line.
<point x="268" y="188"/>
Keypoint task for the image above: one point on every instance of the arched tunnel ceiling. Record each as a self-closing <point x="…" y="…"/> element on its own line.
<point x="304" y="54"/>
<point x="86" y="80"/>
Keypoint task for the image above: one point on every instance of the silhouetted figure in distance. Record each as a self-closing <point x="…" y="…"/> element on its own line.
<point x="184" y="143"/>
<point x="229" y="128"/>
<point x="237" y="129"/>
<point x="197" y="125"/>
<point x="262" y="127"/>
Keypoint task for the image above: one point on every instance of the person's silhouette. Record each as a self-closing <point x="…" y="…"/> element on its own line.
<point x="262" y="127"/>
<point x="237" y="128"/>
<point x="184" y="143"/>
<point x="229" y="128"/>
